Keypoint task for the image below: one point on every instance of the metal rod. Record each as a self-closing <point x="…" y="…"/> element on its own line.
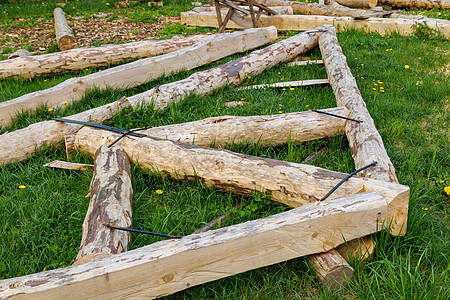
<point x="337" y="116"/>
<point x="127" y="133"/>
<point x="101" y="126"/>
<point x="345" y="179"/>
<point x="142" y="231"/>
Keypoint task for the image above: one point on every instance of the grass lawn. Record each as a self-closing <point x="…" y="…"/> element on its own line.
<point x="404" y="82"/>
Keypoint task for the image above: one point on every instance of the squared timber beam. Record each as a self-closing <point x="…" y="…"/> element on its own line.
<point x="173" y="265"/>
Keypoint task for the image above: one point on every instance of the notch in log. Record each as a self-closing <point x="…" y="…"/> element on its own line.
<point x="64" y="36"/>
<point x="111" y="195"/>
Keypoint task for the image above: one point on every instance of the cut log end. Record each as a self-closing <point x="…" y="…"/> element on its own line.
<point x="67" y="42"/>
<point x="332" y="269"/>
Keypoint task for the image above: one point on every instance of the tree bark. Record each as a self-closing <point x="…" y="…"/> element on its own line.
<point x="288" y="84"/>
<point x="169" y="266"/>
<point x="17" y="54"/>
<point x="111" y="196"/>
<point x="21" y="144"/>
<point x="82" y="58"/>
<point x="358" y="3"/>
<point x="64" y="35"/>
<point x="403" y="26"/>
<point x="365" y="142"/>
<point x="69" y="165"/>
<point x="443" y="4"/>
<point x="139" y="72"/>
<point x="288" y="183"/>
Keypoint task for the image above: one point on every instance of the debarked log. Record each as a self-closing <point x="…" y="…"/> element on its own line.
<point x="288" y="183"/>
<point x="20" y="144"/>
<point x="82" y="58"/>
<point x="358" y="3"/>
<point x="443" y="4"/>
<point x="233" y="72"/>
<point x="14" y="147"/>
<point x="301" y="23"/>
<point x="269" y="130"/>
<point x="169" y="266"/>
<point x="111" y="195"/>
<point x="64" y="36"/>
<point x="140" y="71"/>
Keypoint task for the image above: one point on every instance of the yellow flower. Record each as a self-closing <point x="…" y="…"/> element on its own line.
<point x="281" y="78"/>
<point x="425" y="208"/>
<point x="382" y="91"/>
<point x="406" y="67"/>
<point x="45" y="80"/>
<point x="242" y="99"/>
<point x="292" y="88"/>
<point x="159" y="192"/>
<point x="280" y="104"/>
<point x="283" y="89"/>
<point x="362" y="64"/>
<point x="447" y="190"/>
<point x="442" y="181"/>
<point x="107" y="3"/>
<point x="307" y="105"/>
<point x="374" y="89"/>
<point x="249" y="77"/>
<point x="279" y="111"/>
<point x="65" y="102"/>
<point x="22" y="186"/>
<point x="362" y="77"/>
<point x="50" y="109"/>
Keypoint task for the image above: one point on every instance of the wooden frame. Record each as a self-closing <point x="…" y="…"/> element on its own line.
<point x="364" y="206"/>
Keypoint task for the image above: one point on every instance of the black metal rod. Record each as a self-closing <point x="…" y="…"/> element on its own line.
<point x="101" y="126"/>
<point x="337" y="116"/>
<point x="345" y="179"/>
<point x="127" y="133"/>
<point x="144" y="232"/>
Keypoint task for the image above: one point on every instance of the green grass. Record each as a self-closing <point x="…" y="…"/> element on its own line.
<point x="40" y="225"/>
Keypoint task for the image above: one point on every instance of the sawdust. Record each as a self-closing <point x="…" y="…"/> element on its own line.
<point x="94" y="31"/>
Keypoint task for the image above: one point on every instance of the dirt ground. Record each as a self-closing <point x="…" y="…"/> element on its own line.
<point x="94" y="31"/>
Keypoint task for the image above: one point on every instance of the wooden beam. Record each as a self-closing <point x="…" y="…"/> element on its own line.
<point x="365" y="142"/>
<point x="305" y="62"/>
<point x="288" y="183"/>
<point x="288" y="84"/>
<point x="14" y="147"/>
<point x="301" y="23"/>
<point x="82" y="58"/>
<point x="64" y="35"/>
<point x="69" y="165"/>
<point x="172" y="265"/>
<point x="442" y="4"/>
<point x="269" y="130"/>
<point x="111" y="197"/>
<point x="139" y="72"/>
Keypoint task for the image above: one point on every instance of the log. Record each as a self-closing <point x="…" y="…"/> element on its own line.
<point x="111" y="197"/>
<point x="64" y="35"/>
<point x="303" y="8"/>
<point x="305" y="62"/>
<point x="359" y="249"/>
<point x="69" y="165"/>
<point x="234" y="72"/>
<point x="21" y="144"/>
<point x="282" y="10"/>
<point x="358" y="3"/>
<point x="442" y="4"/>
<point x="269" y="130"/>
<point x="203" y="82"/>
<point x="288" y="183"/>
<point x="18" y="53"/>
<point x="301" y="23"/>
<point x="365" y="142"/>
<point x="139" y="72"/>
<point x="331" y="269"/>
<point x="288" y="84"/>
<point x="82" y="58"/>
<point x="169" y="266"/>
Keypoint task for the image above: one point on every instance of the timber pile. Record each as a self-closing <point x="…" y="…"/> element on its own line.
<point x="313" y="15"/>
<point x="361" y="206"/>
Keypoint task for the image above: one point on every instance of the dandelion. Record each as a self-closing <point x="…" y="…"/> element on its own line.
<point x="424" y="208"/>
<point x="375" y="84"/>
<point x="382" y="91"/>
<point x="50" y="109"/>
<point x="65" y="102"/>
<point x="292" y="88"/>
<point x="279" y="73"/>
<point x="159" y="192"/>
<point x="107" y="3"/>
<point x="249" y="77"/>
<point x="442" y="181"/>
<point x="387" y="50"/>
<point x="362" y="65"/>
<point x="283" y="89"/>
<point x="374" y="89"/>
<point x="242" y="99"/>
<point x="406" y="67"/>
<point x="45" y="80"/>
<point x="280" y="104"/>
<point x="190" y="69"/>
<point x="390" y="49"/>
<point x="307" y="105"/>
<point x="362" y="77"/>
<point x="447" y="190"/>
<point x="356" y="58"/>
<point x="22" y="186"/>
<point x="380" y="82"/>
<point x="281" y="78"/>
<point x="218" y="108"/>
<point x="280" y="112"/>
